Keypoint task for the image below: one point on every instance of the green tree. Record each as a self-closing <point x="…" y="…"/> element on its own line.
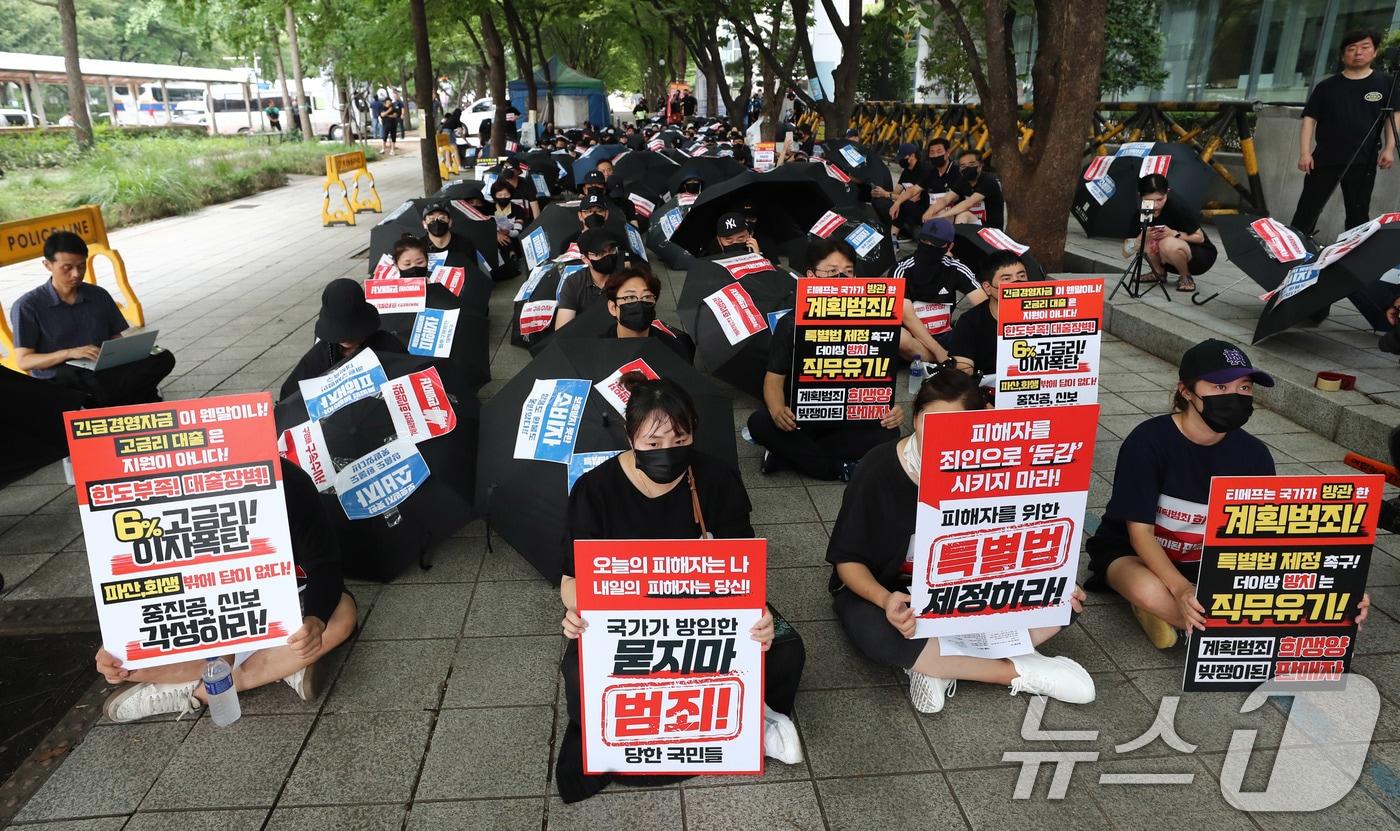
<point x="888" y="72"/>
<point x="1132" y="48"/>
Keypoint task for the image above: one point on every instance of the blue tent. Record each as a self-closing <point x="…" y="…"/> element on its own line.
<point x="577" y="97"/>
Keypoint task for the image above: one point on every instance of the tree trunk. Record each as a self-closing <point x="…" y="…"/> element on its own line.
<point x="496" y="60"/>
<point x="281" y="76"/>
<point x="302" y="103"/>
<point x="424" y="90"/>
<point x="547" y="117"/>
<point x="347" y="114"/>
<point x="524" y="59"/>
<point x="77" y="90"/>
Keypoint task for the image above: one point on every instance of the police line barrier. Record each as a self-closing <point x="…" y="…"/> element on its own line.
<point x="23" y="240"/>
<point x="1210" y="127"/>
<point x="448" y="163"/>
<point x="359" y="197"/>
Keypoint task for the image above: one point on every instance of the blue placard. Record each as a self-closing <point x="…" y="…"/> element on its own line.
<point x="536" y="246"/>
<point x="774" y="317"/>
<point x="852" y="156"/>
<point x="564" y="273"/>
<point x="541" y="185"/>
<point x="634" y="238"/>
<point x="433" y="332"/>
<point x="863" y="239"/>
<point x="549" y="419"/>
<point x="381" y="480"/>
<point x="670" y="220"/>
<point x="581" y="463"/>
<point x="354" y="380"/>
<point x="1298" y="278"/>
<point x="436" y="259"/>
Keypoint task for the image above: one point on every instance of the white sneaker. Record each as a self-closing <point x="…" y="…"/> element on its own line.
<point x="929" y="694"/>
<point x="780" y="739"/>
<point x="305" y="682"/>
<point x="143" y="700"/>
<point x="1059" y="678"/>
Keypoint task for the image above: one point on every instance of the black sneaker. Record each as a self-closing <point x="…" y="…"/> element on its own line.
<point x="770" y="463"/>
<point x="848" y="469"/>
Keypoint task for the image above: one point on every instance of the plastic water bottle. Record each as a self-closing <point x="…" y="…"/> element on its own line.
<point x="218" y="688"/>
<point x="916" y="374"/>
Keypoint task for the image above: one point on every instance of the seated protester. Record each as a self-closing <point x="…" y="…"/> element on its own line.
<point x="511" y="218"/>
<point x="593" y="182"/>
<point x="66" y="319"/>
<point x="973" y="197"/>
<point x="1148" y="546"/>
<point x="618" y="195"/>
<point x="940" y="158"/>
<point x="663" y="488"/>
<point x="437" y="222"/>
<point x="632" y="292"/>
<point x="871" y="552"/>
<point x="583" y="289"/>
<point x="510" y="174"/>
<point x="329" y="618"/>
<point x="348" y="323"/>
<point x="592" y="211"/>
<point x="932" y="276"/>
<point x="1175" y="240"/>
<point x="732" y="235"/>
<point x="821" y="450"/>
<point x="605" y="167"/>
<point x="973" y="341"/>
<point x="691" y="183"/>
<point x="905" y="206"/>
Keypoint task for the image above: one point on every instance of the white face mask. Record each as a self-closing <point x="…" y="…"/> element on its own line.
<point x="913" y="455"/>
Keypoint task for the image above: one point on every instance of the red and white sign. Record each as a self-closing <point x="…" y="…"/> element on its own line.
<point x="185" y="524"/>
<point x="1154" y="164"/>
<point x="686" y="198"/>
<point x="998" y="239"/>
<point x="305" y="446"/>
<point x="836" y="173"/>
<point x="385" y="268"/>
<point x="466" y="208"/>
<point x="1097" y="168"/>
<point x="936" y="317"/>
<point x="570" y="254"/>
<point x="764" y="156"/>
<point x="1282" y="242"/>
<point x="656" y="145"/>
<point x="403" y="294"/>
<point x="614" y="392"/>
<point x="419" y="406"/>
<point x="450" y="277"/>
<point x="736" y="313"/>
<point x="671" y="682"/>
<point x="536" y="315"/>
<point x="1048" y="343"/>
<point x="745" y="264"/>
<point x="828" y="222"/>
<point x="644" y="206"/>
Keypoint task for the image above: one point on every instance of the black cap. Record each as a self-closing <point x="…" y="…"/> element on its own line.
<point x="730" y="223"/>
<point x="346" y="317"/>
<point x="1220" y="362"/>
<point x="435" y="208"/>
<point x="596" y="241"/>
<point x="594" y="177"/>
<point x="592" y="200"/>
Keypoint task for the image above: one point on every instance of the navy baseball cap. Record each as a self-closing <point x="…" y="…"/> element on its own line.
<point x="906" y="149"/>
<point x="1220" y="362"/>
<point x="936" y="230"/>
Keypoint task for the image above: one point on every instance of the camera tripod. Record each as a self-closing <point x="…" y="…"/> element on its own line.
<point x="1132" y="277"/>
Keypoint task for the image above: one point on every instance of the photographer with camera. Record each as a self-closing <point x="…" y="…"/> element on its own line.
<point x="1172" y="236"/>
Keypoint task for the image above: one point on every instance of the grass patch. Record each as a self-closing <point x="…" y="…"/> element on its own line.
<point x="140" y="179"/>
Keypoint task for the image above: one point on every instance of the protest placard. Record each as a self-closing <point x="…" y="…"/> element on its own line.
<point x="671" y="680"/>
<point x="402" y="294"/>
<point x="846" y="334"/>
<point x="433" y="333"/>
<point x="549" y="419"/>
<point x="738" y="316"/>
<point x="1048" y="345"/>
<point x="186" y="527"/>
<point x="1282" y="571"/>
<point x="1001" y="508"/>
<point x="614" y="392"/>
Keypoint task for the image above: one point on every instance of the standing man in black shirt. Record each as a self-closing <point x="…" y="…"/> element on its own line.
<point x="1343" y="114"/>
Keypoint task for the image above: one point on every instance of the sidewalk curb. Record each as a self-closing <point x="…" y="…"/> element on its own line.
<point x="1351" y="419"/>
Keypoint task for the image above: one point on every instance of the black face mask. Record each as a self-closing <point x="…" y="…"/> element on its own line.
<point x="502" y="202"/>
<point x="605" y="265"/>
<point x="937" y="160"/>
<point x="927" y="256"/>
<point x="416" y="271"/>
<point x="969" y="174"/>
<point x="636" y="315"/>
<point x="1226" y="412"/>
<point x="666" y="465"/>
<point x="690" y="187"/>
<point x="593" y="221"/>
<point x="439" y="227"/>
<point x="735" y="248"/>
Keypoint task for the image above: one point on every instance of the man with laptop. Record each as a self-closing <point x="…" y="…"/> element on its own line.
<point x="70" y="332"/>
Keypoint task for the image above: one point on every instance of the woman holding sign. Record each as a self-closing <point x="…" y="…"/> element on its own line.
<point x="871" y="551"/>
<point x="662" y="488"/>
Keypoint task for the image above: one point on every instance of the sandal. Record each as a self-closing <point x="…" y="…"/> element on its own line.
<point x="1185" y="284"/>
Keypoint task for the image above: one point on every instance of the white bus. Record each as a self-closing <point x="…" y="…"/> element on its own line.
<point x="231" y="109"/>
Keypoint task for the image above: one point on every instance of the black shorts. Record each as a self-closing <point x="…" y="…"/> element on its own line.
<point x="872" y="634"/>
<point x="1102" y="553"/>
<point x="1202" y="258"/>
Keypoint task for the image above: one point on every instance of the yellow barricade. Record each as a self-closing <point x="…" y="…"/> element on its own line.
<point x="361" y="196"/>
<point x="23" y="240"/>
<point x="449" y="164"/>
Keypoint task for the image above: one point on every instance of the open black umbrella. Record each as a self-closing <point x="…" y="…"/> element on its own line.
<point x="532" y="318"/>
<point x="588" y="162"/>
<point x="711" y="171"/>
<point x="32" y="422"/>
<point x="524" y="499"/>
<point x="1358" y="258"/>
<point x="664" y="222"/>
<point x="1106" y="198"/>
<point x="448" y="329"/>
<point x="861" y="162"/>
<point x="462" y="189"/>
<point x="973" y="244"/>
<point x="558" y="226"/>
<point x="646" y="170"/>
<point x="380" y="547"/>
<point x="1264" y="249"/>
<point x="476" y="228"/>
<point x="841" y="193"/>
<point x="787" y="204"/>
<point x="859" y="226"/>
<point x="725" y="304"/>
<point x="542" y="162"/>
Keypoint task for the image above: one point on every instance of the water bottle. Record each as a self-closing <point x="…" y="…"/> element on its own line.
<point x="916" y="374"/>
<point x="222" y="697"/>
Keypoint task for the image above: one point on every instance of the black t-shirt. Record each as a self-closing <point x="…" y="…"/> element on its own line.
<point x="675" y="340"/>
<point x="923" y="175"/>
<point x="1163" y="479"/>
<point x="315" y="550"/>
<point x="781" y="347"/>
<point x="1179" y="216"/>
<point x="579" y="292"/>
<point x="876" y="522"/>
<point x="605" y="505"/>
<point x="1346" y="110"/>
<point x="993" y="203"/>
<point x="974" y="336"/>
<point x="939" y="284"/>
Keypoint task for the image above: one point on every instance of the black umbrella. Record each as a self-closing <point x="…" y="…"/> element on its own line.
<point x="532" y="318"/>
<point x="32" y="422"/>
<point x="558" y="226"/>
<point x="380" y="547"/>
<point x="588" y="162"/>
<point x="525" y="187"/>
<point x="841" y="193"/>
<point x="541" y="161"/>
<point x="860" y="226"/>
<point x="462" y="189"/>
<point x="973" y="244"/>
<point x="1264" y="249"/>
<point x="861" y="162"/>
<point x="712" y="171"/>
<point x="1359" y="257"/>
<point x="467" y="357"/>
<point x="730" y="343"/>
<point x="476" y="228"/>
<point x="1107" y="205"/>
<point x="524" y="500"/>
<point x="786" y="203"/>
<point x="647" y="170"/>
<point x="664" y="221"/>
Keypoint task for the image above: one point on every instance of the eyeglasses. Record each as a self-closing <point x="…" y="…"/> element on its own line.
<point x="834" y="271"/>
<point x="632" y="298"/>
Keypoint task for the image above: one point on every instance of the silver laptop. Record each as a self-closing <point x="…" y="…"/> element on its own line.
<point x="119" y="351"/>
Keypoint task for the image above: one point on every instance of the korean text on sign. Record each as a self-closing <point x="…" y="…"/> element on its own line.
<point x="846" y="340"/>
<point x="671" y="681"/>
<point x="1048" y="345"/>
<point x="186" y="527"/>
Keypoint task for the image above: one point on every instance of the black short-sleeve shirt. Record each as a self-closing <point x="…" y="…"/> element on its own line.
<point x="1179" y="216"/>
<point x="605" y="505"/>
<point x="579" y="292"/>
<point x="923" y="175"/>
<point x="993" y="203"/>
<point x="1163" y="479"/>
<point x="974" y="336"/>
<point x="876" y="520"/>
<point x="939" y="284"/>
<point x="675" y="340"/>
<point x="1345" y="111"/>
<point x="781" y="347"/>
